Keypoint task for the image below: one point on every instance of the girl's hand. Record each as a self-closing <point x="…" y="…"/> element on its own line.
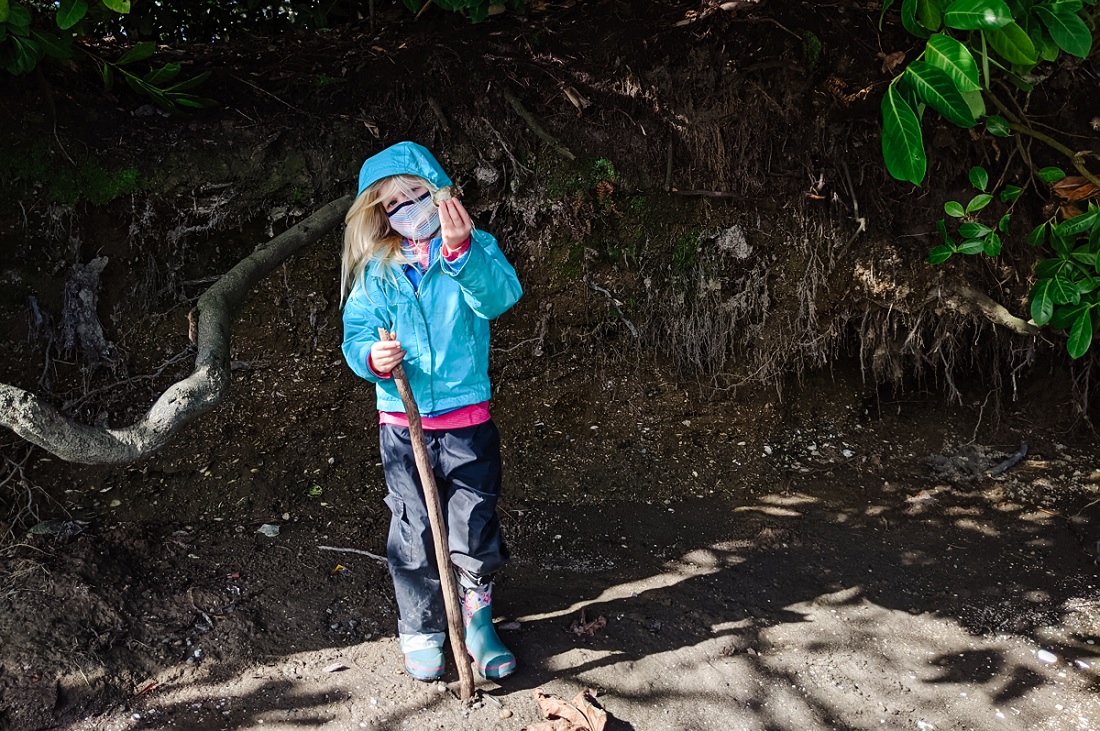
<point x="386" y="355"/>
<point x="454" y="223"/>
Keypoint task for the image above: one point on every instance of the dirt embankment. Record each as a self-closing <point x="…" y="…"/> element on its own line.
<point x="722" y="398"/>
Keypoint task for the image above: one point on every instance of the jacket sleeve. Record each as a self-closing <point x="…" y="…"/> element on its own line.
<point x="362" y="318"/>
<point x="489" y="283"/>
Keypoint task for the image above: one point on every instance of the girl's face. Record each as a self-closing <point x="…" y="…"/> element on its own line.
<point x="396" y="197"/>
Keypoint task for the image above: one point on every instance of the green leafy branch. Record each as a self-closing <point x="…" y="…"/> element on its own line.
<point x="952" y="75"/>
<point x="966" y="42"/>
<point x="976" y="237"/>
<point x="23" y="46"/>
<point x="1066" y="293"/>
<point x="159" y="84"/>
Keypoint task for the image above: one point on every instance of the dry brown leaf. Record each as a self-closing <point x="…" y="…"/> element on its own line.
<point x="1069" y="212"/>
<point x="596" y="716"/>
<point x="891" y="61"/>
<point x="580" y="715"/>
<point x="1074" y="188"/>
<point x="554" y="707"/>
<point x="557" y="725"/>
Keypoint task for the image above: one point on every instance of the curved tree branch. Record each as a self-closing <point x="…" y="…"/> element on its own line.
<point x="44" y="425"/>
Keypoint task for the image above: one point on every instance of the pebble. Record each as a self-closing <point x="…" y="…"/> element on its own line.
<point x="1046" y="656"/>
<point x="505" y="713"/>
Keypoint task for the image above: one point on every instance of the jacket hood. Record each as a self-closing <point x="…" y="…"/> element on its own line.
<point x="404" y="158"/>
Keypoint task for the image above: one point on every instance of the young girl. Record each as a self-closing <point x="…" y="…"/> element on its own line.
<point x="422" y="271"/>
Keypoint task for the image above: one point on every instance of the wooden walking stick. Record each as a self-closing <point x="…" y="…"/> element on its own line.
<point x="455" y="629"/>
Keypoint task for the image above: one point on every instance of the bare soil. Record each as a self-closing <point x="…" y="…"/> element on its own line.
<point x="813" y="550"/>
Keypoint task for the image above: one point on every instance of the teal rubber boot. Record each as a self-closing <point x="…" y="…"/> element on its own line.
<point x="423" y="656"/>
<point x="491" y="658"/>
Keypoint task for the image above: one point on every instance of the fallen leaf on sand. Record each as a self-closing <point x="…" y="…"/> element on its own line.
<point x="583" y="714"/>
<point x="583" y="627"/>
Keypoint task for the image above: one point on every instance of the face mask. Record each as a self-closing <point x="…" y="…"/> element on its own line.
<point x="416" y="219"/>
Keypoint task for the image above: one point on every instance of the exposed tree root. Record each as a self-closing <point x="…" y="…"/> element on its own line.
<point x="970" y="301"/>
<point x="46" y="426"/>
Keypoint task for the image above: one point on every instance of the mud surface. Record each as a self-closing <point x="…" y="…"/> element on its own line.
<point x="718" y="521"/>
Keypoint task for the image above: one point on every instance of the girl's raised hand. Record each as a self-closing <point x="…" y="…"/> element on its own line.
<point x="385" y="355"/>
<point x="454" y="223"/>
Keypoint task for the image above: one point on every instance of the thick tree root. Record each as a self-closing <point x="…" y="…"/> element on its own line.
<point x="44" y="425"/>
<point x="972" y="302"/>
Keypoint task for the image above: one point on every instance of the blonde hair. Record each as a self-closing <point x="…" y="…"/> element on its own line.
<point x="367" y="232"/>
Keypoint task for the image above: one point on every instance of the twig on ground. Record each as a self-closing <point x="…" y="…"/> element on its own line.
<point x="368" y="554"/>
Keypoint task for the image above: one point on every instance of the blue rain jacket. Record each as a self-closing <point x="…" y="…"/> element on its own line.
<point x="444" y="325"/>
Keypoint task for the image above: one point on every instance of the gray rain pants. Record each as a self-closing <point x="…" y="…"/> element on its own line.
<point x="466" y="463"/>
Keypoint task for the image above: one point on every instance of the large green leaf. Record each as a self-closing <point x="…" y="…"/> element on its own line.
<point x="938" y="91"/>
<point x="975" y="102"/>
<point x="54" y="46"/>
<point x="973" y="230"/>
<point x="929" y="14"/>
<point x="909" y="19"/>
<point x="140" y="52"/>
<point x="977" y="14"/>
<point x="1064" y="290"/>
<point x="1080" y="335"/>
<point x="189" y="83"/>
<point x="1011" y="193"/>
<point x="954" y="59"/>
<point x="19" y="16"/>
<point x="119" y="6"/>
<point x="1042" y="304"/>
<point x="70" y="13"/>
<point x="1077" y="224"/>
<point x="1064" y="316"/>
<point x="191" y="101"/>
<point x="27" y="53"/>
<point x="5" y="9"/>
<point x="1066" y="27"/>
<point x="940" y="254"/>
<point x="166" y="73"/>
<point x="902" y="144"/>
<point x="1049" y="268"/>
<point x="1013" y="44"/>
<point x="978" y="202"/>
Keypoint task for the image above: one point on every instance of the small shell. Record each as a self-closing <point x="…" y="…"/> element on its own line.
<point x="444" y="194"/>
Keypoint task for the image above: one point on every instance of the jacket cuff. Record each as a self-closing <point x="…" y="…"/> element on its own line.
<point x="453" y="254"/>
